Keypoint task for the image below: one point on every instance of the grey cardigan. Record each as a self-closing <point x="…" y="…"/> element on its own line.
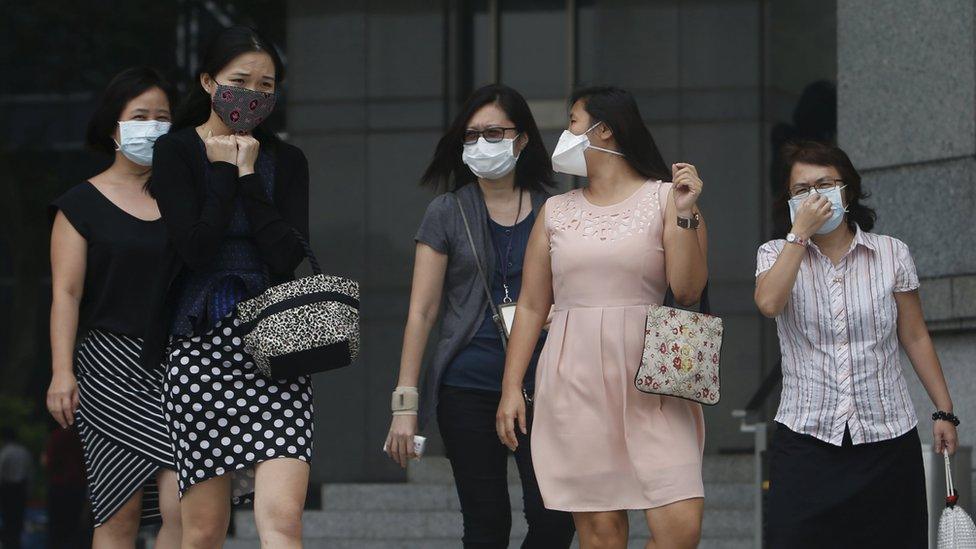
<point x="464" y="295"/>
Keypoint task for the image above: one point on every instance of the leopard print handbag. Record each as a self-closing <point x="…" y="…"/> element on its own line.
<point x="682" y="351"/>
<point x="303" y="326"/>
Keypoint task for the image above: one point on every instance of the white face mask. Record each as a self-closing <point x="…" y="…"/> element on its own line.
<point x="837" y="208"/>
<point x="568" y="155"/>
<point x="137" y="138"/>
<point x="490" y="160"/>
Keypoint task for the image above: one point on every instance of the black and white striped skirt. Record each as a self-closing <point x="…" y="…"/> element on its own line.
<point x="120" y="419"/>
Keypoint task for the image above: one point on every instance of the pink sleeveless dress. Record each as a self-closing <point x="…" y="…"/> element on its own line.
<point x="598" y="444"/>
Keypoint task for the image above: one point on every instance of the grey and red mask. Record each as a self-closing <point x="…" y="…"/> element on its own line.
<point x="242" y="109"/>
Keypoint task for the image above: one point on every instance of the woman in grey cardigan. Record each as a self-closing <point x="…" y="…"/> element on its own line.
<point x="496" y="169"/>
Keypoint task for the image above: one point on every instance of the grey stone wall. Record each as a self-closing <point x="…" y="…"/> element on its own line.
<point x="907" y="118"/>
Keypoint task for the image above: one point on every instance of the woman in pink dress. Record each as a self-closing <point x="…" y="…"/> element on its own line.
<point x="601" y="255"/>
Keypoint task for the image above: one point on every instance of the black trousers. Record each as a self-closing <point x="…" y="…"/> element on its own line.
<point x="869" y="495"/>
<point x="13" y="504"/>
<point x="467" y="423"/>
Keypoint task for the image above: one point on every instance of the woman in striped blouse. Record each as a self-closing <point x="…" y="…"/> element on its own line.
<point x="845" y="465"/>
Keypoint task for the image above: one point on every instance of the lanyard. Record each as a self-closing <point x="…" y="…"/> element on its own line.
<point x="508" y="251"/>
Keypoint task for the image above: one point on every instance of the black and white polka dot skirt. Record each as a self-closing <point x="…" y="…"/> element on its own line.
<point x="225" y="416"/>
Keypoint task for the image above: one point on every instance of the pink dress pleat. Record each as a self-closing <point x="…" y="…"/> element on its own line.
<point x="598" y="444"/>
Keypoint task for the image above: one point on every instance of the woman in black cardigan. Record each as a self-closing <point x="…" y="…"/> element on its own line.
<point x="231" y="196"/>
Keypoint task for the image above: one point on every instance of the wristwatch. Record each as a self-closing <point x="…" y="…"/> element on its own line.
<point x="794" y="238"/>
<point x="686" y="223"/>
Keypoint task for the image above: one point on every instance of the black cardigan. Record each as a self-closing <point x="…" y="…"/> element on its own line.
<point x="196" y="215"/>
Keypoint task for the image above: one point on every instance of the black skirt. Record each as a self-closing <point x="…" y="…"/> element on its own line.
<point x="868" y="495"/>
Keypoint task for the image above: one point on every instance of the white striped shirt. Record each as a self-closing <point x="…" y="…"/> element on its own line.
<point x="839" y="342"/>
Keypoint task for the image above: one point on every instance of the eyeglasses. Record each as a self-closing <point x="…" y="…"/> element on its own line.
<point x="493" y="134"/>
<point x="824" y="184"/>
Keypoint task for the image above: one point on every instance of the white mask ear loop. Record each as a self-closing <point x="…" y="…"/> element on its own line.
<point x="118" y="146"/>
<point x="591" y="146"/>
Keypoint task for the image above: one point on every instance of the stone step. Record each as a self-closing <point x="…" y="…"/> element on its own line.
<point x="434" y="543"/>
<point x="443" y="497"/>
<point x="715" y="468"/>
<point x="411" y="526"/>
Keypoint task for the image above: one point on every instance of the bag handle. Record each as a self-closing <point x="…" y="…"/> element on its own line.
<point x="951" y="496"/>
<point x="704" y="306"/>
<point x="481" y="273"/>
<point x="309" y="254"/>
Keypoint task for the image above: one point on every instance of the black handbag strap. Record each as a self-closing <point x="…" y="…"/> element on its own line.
<point x="481" y="271"/>
<point x="309" y="254"/>
<point x="704" y="306"/>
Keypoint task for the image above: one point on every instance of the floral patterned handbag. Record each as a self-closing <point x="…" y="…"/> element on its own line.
<point x="682" y="350"/>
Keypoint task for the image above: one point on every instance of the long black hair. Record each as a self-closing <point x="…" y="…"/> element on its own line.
<point x="124" y="87"/>
<point x="826" y="154"/>
<point x="533" y="171"/>
<point x="224" y="48"/>
<point x="617" y="109"/>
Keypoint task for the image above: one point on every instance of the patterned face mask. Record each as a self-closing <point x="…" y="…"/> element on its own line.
<point x="242" y="109"/>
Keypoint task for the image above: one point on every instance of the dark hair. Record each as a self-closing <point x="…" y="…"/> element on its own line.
<point x="533" y="171"/>
<point x="824" y="154"/>
<point x="126" y="86"/>
<point x="617" y="109"/>
<point x="8" y="433"/>
<point x="220" y="52"/>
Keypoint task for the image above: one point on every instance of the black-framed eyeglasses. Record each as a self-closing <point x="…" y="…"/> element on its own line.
<point x="493" y="134"/>
<point x="824" y="184"/>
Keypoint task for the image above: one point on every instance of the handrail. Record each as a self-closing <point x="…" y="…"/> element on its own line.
<point x="766" y="388"/>
<point x="751" y="422"/>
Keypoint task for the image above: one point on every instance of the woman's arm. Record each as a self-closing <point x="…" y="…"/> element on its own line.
<point x="915" y="339"/>
<point x="195" y="228"/>
<point x="430" y="267"/>
<point x="68" y="263"/>
<point x="535" y="301"/>
<point x="686" y="257"/>
<point x="685" y="250"/>
<point x="774" y="286"/>
<point x="273" y="228"/>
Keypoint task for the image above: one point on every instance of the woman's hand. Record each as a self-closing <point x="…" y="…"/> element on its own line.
<point x="247" y="154"/>
<point x="62" y="398"/>
<point x="811" y="215"/>
<point x="511" y="409"/>
<point x="221" y="148"/>
<point x="944" y="437"/>
<point x="687" y="188"/>
<point x="399" y="442"/>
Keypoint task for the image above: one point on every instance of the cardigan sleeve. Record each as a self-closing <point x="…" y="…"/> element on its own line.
<point x="272" y="223"/>
<point x="195" y="228"/>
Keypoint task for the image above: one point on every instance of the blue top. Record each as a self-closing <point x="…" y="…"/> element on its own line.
<point x="236" y="273"/>
<point x="481" y="364"/>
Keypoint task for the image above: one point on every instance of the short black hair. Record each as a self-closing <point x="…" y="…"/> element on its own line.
<point x="533" y="171"/>
<point x="126" y="86"/>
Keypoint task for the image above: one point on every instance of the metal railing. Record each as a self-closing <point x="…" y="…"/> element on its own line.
<point x="752" y="422"/>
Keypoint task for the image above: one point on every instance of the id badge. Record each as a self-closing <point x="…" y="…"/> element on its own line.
<point x="507" y="312"/>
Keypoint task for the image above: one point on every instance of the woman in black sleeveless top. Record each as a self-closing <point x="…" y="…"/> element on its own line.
<point x="106" y="244"/>
<point x="232" y="196"/>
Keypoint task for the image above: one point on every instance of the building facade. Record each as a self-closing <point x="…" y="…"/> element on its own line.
<point x="372" y="84"/>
